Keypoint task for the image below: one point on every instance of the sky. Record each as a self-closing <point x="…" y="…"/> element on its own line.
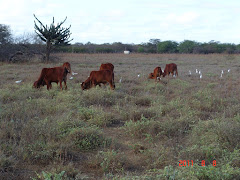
<point x="129" y="21"/>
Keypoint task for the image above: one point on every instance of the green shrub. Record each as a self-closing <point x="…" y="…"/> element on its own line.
<point x="158" y="157"/>
<point x="85" y="113"/>
<point x="86" y="139"/>
<point x="38" y="153"/>
<point x="50" y="176"/>
<point x="206" y="100"/>
<point x="141" y="128"/>
<point x="99" y="96"/>
<point x="143" y="101"/>
<point x="96" y="116"/>
<point x="228" y="132"/>
<point x="6" y="162"/>
<point x="111" y="161"/>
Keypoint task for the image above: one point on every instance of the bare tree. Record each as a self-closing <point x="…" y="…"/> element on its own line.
<point x="54" y="35"/>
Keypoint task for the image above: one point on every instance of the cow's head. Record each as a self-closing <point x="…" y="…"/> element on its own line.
<point x="67" y="67"/>
<point x="151" y="76"/>
<point x="165" y="73"/>
<point x="35" y="85"/>
<point x="66" y="70"/>
<point x="38" y="84"/>
<point x="85" y="85"/>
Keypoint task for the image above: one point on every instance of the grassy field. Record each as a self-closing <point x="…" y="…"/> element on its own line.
<point x="141" y="130"/>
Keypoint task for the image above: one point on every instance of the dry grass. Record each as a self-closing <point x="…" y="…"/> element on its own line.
<point x="140" y="130"/>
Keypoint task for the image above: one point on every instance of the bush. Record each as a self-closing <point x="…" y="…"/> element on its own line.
<point x="143" y="101"/>
<point x="6" y="163"/>
<point x="111" y="161"/>
<point x="141" y="50"/>
<point x="96" y="116"/>
<point x="50" y="176"/>
<point x="228" y="132"/>
<point x="99" y="96"/>
<point x="141" y="128"/>
<point x="86" y="139"/>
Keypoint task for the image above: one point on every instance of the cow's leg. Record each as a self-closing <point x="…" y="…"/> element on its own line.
<point x="112" y="85"/>
<point x="168" y="74"/>
<point x="61" y="85"/>
<point x="48" y="85"/>
<point x="65" y="83"/>
<point x="94" y="83"/>
<point x="113" y="81"/>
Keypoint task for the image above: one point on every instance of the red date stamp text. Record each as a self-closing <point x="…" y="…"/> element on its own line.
<point x="183" y="163"/>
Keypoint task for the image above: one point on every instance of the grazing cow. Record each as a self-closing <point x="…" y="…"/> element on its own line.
<point x="156" y="74"/>
<point x="56" y="74"/>
<point x="108" y="66"/>
<point x="170" y="68"/>
<point x="98" y="77"/>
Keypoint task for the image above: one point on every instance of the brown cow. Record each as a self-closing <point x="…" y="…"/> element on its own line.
<point x="56" y="74"/>
<point x="108" y="66"/>
<point x="156" y="74"/>
<point x="170" y="68"/>
<point x="98" y="77"/>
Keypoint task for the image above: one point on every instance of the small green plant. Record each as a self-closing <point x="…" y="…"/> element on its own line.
<point x="86" y="139"/>
<point x="141" y="128"/>
<point x="111" y="161"/>
<point x="6" y="162"/>
<point x="50" y="176"/>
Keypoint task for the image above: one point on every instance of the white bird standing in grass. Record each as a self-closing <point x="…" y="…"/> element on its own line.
<point x="196" y="71"/>
<point x="190" y="73"/>
<point x="73" y="73"/>
<point x="228" y="70"/>
<point x="18" y="81"/>
<point x="221" y="74"/>
<point x="138" y="75"/>
<point x="199" y="72"/>
<point x="201" y="76"/>
<point x="120" y="80"/>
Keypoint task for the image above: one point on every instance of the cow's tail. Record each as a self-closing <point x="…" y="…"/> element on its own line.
<point x="41" y="77"/>
<point x="113" y="79"/>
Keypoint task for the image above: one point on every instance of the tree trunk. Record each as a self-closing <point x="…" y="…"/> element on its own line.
<point x="48" y="50"/>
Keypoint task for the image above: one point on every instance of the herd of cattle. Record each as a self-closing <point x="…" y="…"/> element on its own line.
<point x="103" y="76"/>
